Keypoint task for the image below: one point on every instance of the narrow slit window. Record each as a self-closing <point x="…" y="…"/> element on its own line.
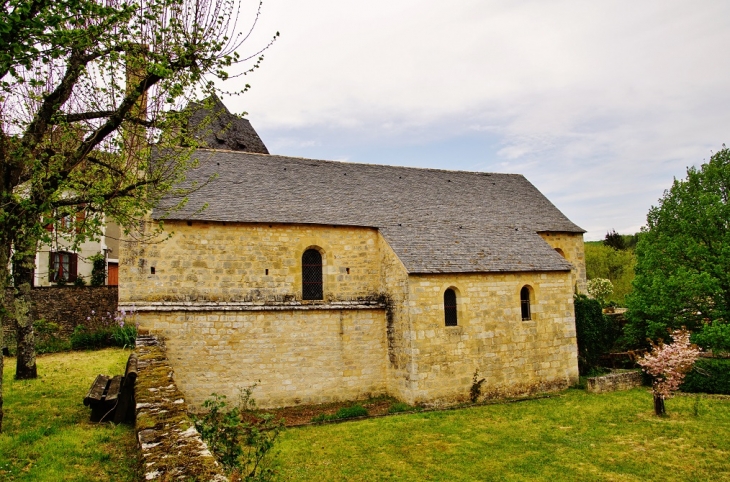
<point x="525" y="303"/>
<point x="312" y="275"/>
<point x="450" y="307"/>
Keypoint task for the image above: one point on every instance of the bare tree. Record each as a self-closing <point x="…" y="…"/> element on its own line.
<point x="86" y="87"/>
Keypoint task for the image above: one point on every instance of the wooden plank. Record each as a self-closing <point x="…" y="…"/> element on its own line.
<point x="125" y="405"/>
<point x="96" y="392"/>
<point x="113" y="391"/>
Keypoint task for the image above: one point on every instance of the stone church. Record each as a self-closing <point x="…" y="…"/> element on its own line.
<point x="327" y="281"/>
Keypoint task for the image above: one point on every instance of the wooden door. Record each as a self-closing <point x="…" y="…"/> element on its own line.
<point x="113" y="274"/>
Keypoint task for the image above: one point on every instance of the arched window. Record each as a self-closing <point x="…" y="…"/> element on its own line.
<point x="450" y="307"/>
<point x="525" y="303"/>
<point x="312" y="275"/>
<point x="560" y="252"/>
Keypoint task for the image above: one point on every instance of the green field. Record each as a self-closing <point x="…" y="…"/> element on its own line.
<point x="574" y="436"/>
<point x="47" y="435"/>
<point x="570" y="436"/>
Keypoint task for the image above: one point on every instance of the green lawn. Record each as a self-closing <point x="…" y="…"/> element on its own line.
<point x="574" y="436"/>
<point x="47" y="435"/>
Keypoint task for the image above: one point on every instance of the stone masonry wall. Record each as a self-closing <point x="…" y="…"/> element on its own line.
<point x="68" y="306"/>
<point x="229" y="323"/>
<point x="170" y="446"/>
<point x="513" y="356"/>
<point x="248" y="262"/>
<point x="616" y="381"/>
<point x="572" y="247"/>
<point x="394" y="282"/>
<point x="295" y="356"/>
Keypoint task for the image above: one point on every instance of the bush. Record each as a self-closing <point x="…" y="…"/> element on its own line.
<point x="595" y="333"/>
<point x="98" y="270"/>
<point x="343" y="413"/>
<point x="124" y="335"/>
<point x="710" y="375"/>
<point x="600" y="289"/>
<point x="714" y="336"/>
<point x="400" y="407"/>
<point x="85" y="339"/>
<point x="47" y="339"/>
<point x="241" y="437"/>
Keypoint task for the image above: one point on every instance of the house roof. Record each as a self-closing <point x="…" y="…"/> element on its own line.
<point x="436" y="221"/>
<point x="214" y="127"/>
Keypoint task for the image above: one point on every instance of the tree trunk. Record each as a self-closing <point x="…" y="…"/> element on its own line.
<point x="4" y="260"/>
<point x="23" y="264"/>
<point x="659" y="405"/>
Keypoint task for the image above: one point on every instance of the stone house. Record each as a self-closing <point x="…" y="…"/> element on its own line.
<point x="59" y="261"/>
<point x="330" y="280"/>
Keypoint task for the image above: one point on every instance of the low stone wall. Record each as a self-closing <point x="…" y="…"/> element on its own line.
<point x="171" y="447"/>
<point x="67" y="306"/>
<point x="615" y="381"/>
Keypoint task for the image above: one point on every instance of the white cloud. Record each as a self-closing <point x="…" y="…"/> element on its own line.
<point x="599" y="104"/>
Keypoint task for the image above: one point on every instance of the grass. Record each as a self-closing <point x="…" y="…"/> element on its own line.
<point x="574" y="436"/>
<point x="343" y="413"/>
<point x="47" y="435"/>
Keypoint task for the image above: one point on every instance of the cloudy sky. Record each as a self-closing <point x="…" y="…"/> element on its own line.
<point x="599" y="104"/>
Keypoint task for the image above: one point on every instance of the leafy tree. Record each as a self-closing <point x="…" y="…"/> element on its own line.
<point x="85" y="87"/>
<point x="614" y="240"/>
<point x="683" y="254"/>
<point x="615" y="265"/>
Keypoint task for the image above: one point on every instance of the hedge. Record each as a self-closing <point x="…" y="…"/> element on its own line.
<point x="710" y="375"/>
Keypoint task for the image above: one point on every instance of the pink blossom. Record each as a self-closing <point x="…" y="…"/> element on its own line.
<point x="668" y="364"/>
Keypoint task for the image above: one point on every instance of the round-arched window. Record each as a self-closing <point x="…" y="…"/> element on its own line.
<point x="525" y="303"/>
<point x="450" y="307"/>
<point x="312" y="288"/>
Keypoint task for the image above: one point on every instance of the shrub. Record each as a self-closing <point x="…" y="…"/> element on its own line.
<point x="47" y="339"/>
<point x="600" y="289"/>
<point x="98" y="270"/>
<point x="123" y="335"/>
<point x="476" y="387"/>
<point x="119" y="330"/>
<point x="343" y="413"/>
<point x="714" y="336"/>
<point x="398" y="407"/>
<point x="710" y="375"/>
<point x="85" y="339"/>
<point x="241" y="437"/>
<point x="596" y="334"/>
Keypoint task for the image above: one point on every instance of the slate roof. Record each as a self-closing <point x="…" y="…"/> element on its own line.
<point x="212" y="124"/>
<point x="436" y="221"/>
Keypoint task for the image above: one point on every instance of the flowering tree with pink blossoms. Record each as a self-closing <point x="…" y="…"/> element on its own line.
<point x="668" y="364"/>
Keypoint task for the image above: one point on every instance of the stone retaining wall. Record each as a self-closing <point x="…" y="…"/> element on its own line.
<point x="615" y="381"/>
<point x="67" y="306"/>
<point x="171" y="447"/>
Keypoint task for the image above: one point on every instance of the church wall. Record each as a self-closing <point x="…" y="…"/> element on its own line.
<point x="513" y="356"/>
<point x="573" y="249"/>
<point x="394" y="283"/>
<point x="299" y="356"/>
<point x="229" y="262"/>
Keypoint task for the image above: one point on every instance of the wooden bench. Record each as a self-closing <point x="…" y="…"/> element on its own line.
<point x="112" y="398"/>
